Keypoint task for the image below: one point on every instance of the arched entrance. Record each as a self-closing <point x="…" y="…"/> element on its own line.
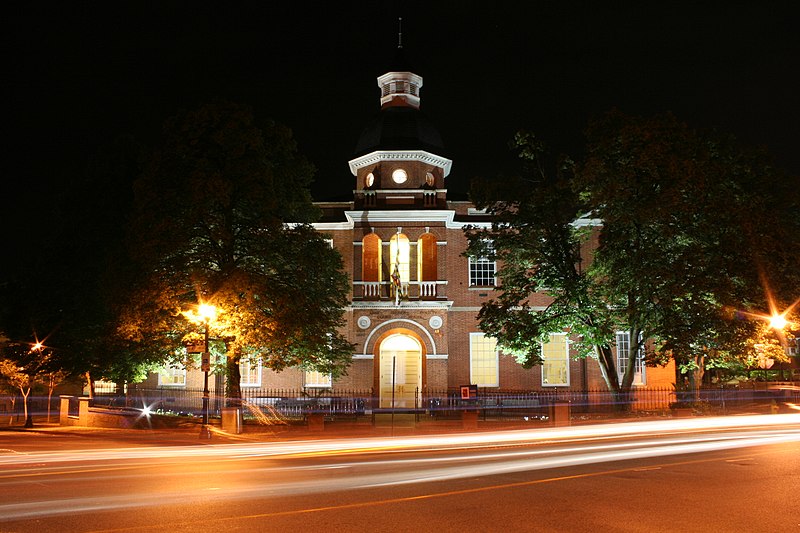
<point x="400" y="371"/>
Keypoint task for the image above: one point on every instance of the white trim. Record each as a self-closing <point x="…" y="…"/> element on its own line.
<point x="332" y="226"/>
<point x="395" y="191"/>
<point x="370" y="357"/>
<point x="395" y="155"/>
<point x="445" y="216"/>
<point x="404" y="321"/>
<point x="424" y="304"/>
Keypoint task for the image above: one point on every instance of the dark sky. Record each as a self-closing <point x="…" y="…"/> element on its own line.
<point x="81" y="74"/>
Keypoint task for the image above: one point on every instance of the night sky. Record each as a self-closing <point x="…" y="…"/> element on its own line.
<point x="80" y="75"/>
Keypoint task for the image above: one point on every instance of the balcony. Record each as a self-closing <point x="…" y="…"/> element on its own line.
<point x="414" y="290"/>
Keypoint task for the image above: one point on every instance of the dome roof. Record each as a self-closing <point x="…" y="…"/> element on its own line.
<point x="400" y="128"/>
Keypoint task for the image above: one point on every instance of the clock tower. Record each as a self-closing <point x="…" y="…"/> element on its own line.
<point x="399" y="159"/>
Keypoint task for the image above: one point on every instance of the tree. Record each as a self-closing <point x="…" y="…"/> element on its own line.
<point x="22" y="366"/>
<point x="221" y="217"/>
<point x="659" y="232"/>
<point x="63" y="289"/>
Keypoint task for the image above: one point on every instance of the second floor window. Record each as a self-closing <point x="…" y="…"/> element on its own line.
<point x="481" y="272"/>
<point x="400" y="256"/>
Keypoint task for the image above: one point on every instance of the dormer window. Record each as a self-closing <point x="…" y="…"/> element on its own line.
<point x="399" y="176"/>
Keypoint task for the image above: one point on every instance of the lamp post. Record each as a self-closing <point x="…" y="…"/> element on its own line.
<point x="39" y="348"/>
<point x="207" y="313"/>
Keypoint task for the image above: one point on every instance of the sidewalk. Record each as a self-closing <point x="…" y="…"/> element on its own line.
<point x="189" y="433"/>
<point x="51" y="435"/>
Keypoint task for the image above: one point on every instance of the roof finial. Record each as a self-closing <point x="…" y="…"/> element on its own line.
<point x="399" y="32"/>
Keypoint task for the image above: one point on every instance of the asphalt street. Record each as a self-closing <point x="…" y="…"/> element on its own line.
<point x="695" y="474"/>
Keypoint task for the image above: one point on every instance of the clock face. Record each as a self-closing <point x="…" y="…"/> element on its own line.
<point x="369" y="180"/>
<point x="399" y="176"/>
<point x="429" y="179"/>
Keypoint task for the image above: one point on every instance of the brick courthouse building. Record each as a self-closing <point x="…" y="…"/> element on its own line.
<point x="415" y="297"/>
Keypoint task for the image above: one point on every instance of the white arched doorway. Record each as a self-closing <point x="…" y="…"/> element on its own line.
<point x="400" y="371"/>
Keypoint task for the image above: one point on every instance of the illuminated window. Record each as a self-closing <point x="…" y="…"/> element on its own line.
<point x="555" y="365"/>
<point x="400" y="255"/>
<point x="399" y="176"/>
<point x="623" y="349"/>
<point x="483" y="360"/>
<point x="318" y="380"/>
<point x="250" y="373"/>
<point x="102" y="386"/>
<point x="172" y="376"/>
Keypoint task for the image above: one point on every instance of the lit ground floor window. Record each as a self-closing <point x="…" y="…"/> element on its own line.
<point x="483" y="360"/>
<point x="250" y="373"/>
<point x="316" y="379"/>
<point x="172" y="376"/>
<point x="555" y="365"/>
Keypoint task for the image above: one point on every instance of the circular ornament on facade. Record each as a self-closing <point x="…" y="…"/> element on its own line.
<point x="369" y="180"/>
<point x="435" y="322"/>
<point x="364" y="322"/>
<point x="429" y="179"/>
<point x="399" y="175"/>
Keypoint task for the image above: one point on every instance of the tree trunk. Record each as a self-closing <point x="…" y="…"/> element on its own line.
<point x="608" y="368"/>
<point x="28" y="417"/>
<point x="234" y="378"/>
<point x="696" y="376"/>
<point x="90" y="385"/>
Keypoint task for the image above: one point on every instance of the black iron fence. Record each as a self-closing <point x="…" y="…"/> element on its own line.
<point x="519" y="404"/>
<point x="264" y="404"/>
<point x="296" y="404"/>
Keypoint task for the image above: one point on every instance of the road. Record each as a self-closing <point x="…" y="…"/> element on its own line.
<point x="705" y="474"/>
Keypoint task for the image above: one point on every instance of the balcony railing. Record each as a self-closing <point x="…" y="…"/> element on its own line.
<point x="383" y="290"/>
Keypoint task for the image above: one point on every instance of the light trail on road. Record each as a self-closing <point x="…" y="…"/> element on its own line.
<point x="168" y="476"/>
<point x="427" y="442"/>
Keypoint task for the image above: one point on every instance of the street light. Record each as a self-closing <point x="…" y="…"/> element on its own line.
<point x="38" y="347"/>
<point x="206" y="313"/>
<point x="778" y="322"/>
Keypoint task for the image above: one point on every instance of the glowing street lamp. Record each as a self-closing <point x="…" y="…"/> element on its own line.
<point x="778" y="322"/>
<point x="39" y="348"/>
<point x="205" y="314"/>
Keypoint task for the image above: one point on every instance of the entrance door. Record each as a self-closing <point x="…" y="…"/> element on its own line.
<point x="400" y="371"/>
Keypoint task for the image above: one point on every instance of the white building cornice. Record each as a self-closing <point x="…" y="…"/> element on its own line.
<point x="424" y="304"/>
<point x="376" y="157"/>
